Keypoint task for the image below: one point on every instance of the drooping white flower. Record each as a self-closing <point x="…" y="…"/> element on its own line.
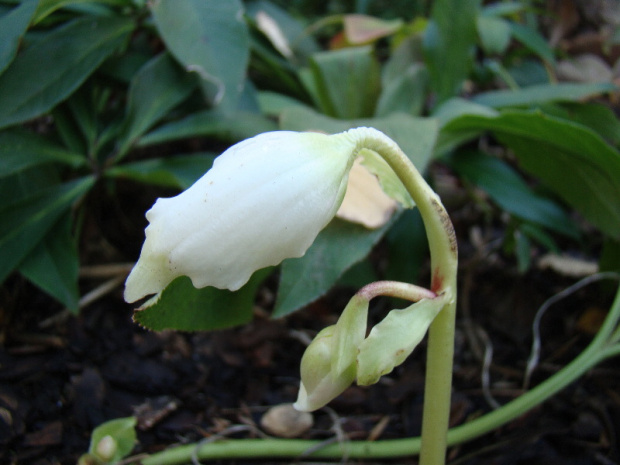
<point x="265" y="199"/>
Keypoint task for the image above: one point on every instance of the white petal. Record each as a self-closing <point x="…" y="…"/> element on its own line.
<point x="264" y="200"/>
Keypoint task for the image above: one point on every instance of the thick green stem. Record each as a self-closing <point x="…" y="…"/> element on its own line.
<point x="443" y="250"/>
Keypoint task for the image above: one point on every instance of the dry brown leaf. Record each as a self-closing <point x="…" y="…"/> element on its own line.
<point x="365" y="202"/>
<point x="584" y="68"/>
<point x="568" y="266"/>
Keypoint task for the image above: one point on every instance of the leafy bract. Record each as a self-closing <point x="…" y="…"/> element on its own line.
<point x="66" y="56"/>
<point x="185" y="308"/>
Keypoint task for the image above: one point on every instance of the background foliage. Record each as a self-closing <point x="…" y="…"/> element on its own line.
<point x="100" y="95"/>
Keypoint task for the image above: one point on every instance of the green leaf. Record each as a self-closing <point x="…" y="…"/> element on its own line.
<point x="532" y="40"/>
<point x="600" y="118"/>
<point x="232" y="126"/>
<point x="571" y="159"/>
<point x="13" y="26"/>
<point x="209" y="37"/>
<point x="20" y="150"/>
<point x="407" y="247"/>
<point x="353" y="97"/>
<point x="511" y="192"/>
<point x="338" y="247"/>
<point x="416" y="136"/>
<point x="52" y="68"/>
<point x="273" y="103"/>
<point x="185" y="308"/>
<point x="26" y="222"/>
<point x="542" y="93"/>
<point x="178" y="172"/>
<point x="53" y="265"/>
<point x="494" y="34"/>
<point x="122" y="431"/>
<point x="47" y="7"/>
<point x="26" y="183"/>
<point x="449" y="43"/>
<point x="404" y="82"/>
<point x="157" y="88"/>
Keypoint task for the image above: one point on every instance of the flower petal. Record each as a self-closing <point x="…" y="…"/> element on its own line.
<point x="264" y="200"/>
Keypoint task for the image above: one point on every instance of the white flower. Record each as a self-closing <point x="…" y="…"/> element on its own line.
<point x="264" y="200"/>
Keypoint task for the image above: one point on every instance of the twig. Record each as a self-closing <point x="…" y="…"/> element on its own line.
<point x="534" y="357"/>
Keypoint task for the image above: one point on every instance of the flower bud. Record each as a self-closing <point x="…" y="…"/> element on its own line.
<point x="319" y="384"/>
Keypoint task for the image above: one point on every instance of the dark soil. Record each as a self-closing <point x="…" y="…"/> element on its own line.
<point x="60" y="381"/>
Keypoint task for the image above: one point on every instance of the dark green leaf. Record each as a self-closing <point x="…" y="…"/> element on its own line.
<point x="568" y="157"/>
<point x="494" y="34"/>
<point x="449" y="43"/>
<point x="229" y="126"/>
<point x="180" y="171"/>
<point x="347" y="82"/>
<point x="600" y="118"/>
<point x="53" y="265"/>
<point x="542" y="93"/>
<point x="157" y="88"/>
<point x="335" y="250"/>
<point x="407" y="247"/>
<point x="52" y="68"/>
<point x="185" y="308"/>
<point x="209" y="37"/>
<point x="404" y="81"/>
<point x="510" y="191"/>
<point x="416" y="136"/>
<point x="532" y="40"/>
<point x="13" y="25"/>
<point x="26" y="222"/>
<point x="20" y="150"/>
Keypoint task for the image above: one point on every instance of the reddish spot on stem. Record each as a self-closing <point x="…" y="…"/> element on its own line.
<point x="437" y="281"/>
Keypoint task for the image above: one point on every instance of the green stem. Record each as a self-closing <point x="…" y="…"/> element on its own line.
<point x="443" y="250"/>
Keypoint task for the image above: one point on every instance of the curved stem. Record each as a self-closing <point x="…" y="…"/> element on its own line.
<point x="443" y="250"/>
<point x="395" y="289"/>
